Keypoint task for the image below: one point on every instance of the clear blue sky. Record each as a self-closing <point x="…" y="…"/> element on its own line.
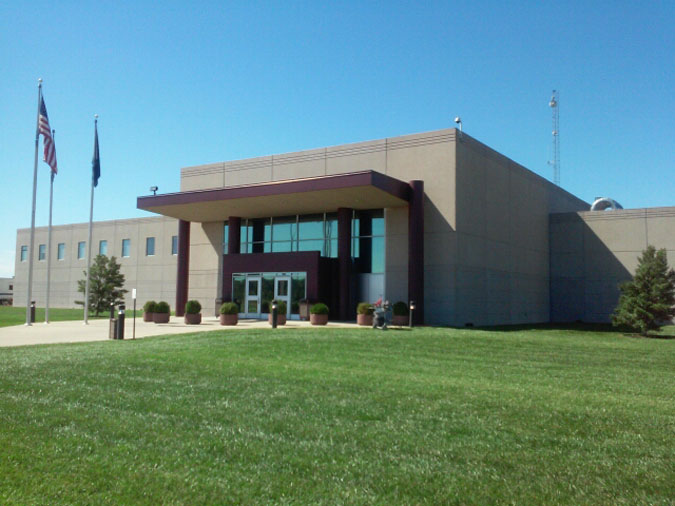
<point x="186" y="83"/>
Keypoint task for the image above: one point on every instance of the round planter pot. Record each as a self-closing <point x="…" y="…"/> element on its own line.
<point x="193" y="319"/>
<point x="364" y="320"/>
<point x="281" y="319"/>
<point x="148" y="317"/>
<point x="161" y="317"/>
<point x="400" y="320"/>
<point x="318" y="319"/>
<point x="229" y="319"/>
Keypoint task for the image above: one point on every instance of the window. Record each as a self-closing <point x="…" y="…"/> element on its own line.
<point x="80" y="250"/>
<point x="126" y="247"/>
<point x="149" y="246"/>
<point x="103" y="247"/>
<point x="42" y="251"/>
<point x="24" y="253"/>
<point x="174" y="245"/>
<point x="368" y="241"/>
<point x="61" y="251"/>
<point x="11" y="287"/>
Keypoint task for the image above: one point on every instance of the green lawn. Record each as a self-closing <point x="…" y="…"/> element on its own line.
<point x="10" y="315"/>
<point x="433" y="416"/>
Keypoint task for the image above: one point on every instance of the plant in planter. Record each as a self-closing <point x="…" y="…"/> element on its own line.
<point x="162" y="312"/>
<point x="281" y="312"/>
<point x="148" y="310"/>
<point x="364" y="314"/>
<point x="400" y="310"/>
<point x="193" y="315"/>
<point x="318" y="314"/>
<point x="229" y="313"/>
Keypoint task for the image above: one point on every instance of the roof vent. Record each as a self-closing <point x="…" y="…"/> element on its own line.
<point x="605" y="203"/>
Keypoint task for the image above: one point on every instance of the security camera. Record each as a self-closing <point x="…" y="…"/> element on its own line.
<point x="458" y="120"/>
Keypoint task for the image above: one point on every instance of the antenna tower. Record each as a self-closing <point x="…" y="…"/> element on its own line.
<point x="554" y="104"/>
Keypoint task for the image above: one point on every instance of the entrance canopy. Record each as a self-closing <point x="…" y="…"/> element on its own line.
<point x="355" y="190"/>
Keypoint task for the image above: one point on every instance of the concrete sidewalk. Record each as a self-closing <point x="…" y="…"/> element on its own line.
<point x="97" y="330"/>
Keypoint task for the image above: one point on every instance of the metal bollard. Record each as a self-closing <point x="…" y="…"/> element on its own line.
<point x="274" y="315"/>
<point x="32" y="311"/>
<point x="120" y="323"/>
<point x="112" y="330"/>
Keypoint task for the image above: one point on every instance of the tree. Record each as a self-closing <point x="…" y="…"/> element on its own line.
<point x="105" y="284"/>
<point x="647" y="301"/>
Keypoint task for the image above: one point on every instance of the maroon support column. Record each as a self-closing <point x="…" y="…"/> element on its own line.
<point x="416" y="250"/>
<point x="183" y="266"/>
<point x="345" y="261"/>
<point x="233" y="235"/>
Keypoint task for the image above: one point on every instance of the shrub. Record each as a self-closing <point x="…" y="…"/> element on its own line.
<point x="364" y="308"/>
<point x="229" y="308"/>
<point x="162" y="307"/>
<point x="319" y="308"/>
<point x="400" y="308"/>
<point x="149" y="307"/>
<point x="193" y="307"/>
<point x="281" y="306"/>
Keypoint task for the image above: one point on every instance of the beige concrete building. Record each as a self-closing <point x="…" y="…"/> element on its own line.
<point x="592" y="253"/>
<point x="144" y="247"/>
<point x="437" y="218"/>
<point x="6" y="291"/>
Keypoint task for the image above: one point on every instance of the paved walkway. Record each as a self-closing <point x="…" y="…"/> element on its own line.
<point x="97" y="330"/>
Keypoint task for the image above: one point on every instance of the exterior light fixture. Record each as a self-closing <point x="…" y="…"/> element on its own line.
<point x="154" y="189"/>
<point x="410" y="314"/>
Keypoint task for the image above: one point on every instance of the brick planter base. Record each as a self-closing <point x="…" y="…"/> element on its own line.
<point x="161" y="317"/>
<point x="318" y="319"/>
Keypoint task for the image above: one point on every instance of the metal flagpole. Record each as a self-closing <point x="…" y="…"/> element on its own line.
<point x="29" y="292"/>
<point x="91" y="217"/>
<point x="49" y="236"/>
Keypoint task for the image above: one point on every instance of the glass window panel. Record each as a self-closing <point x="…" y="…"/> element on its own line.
<point x="282" y="246"/>
<point x="42" y="251"/>
<point x="331" y="227"/>
<point x="312" y="245"/>
<point x="61" y="251"/>
<point x="310" y="227"/>
<point x="174" y="244"/>
<point x="226" y="235"/>
<point x="356" y="226"/>
<point x="80" y="249"/>
<point x="268" y="230"/>
<point x="103" y="247"/>
<point x="298" y="281"/>
<point x="282" y="288"/>
<point x="355" y="247"/>
<point x="24" y="253"/>
<point x="238" y="290"/>
<point x="284" y="229"/>
<point x="252" y="288"/>
<point x="267" y="293"/>
<point x="377" y="263"/>
<point x="149" y="246"/>
<point x="268" y="247"/>
<point x="378" y="226"/>
<point x="252" y="306"/>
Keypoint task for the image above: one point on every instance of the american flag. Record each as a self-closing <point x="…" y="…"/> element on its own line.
<point x="48" y="140"/>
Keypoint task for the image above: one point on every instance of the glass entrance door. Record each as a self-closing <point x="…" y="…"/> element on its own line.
<point x="282" y="291"/>
<point x="252" y="305"/>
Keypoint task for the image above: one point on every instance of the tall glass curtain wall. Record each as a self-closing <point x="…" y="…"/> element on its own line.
<point x="316" y="232"/>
